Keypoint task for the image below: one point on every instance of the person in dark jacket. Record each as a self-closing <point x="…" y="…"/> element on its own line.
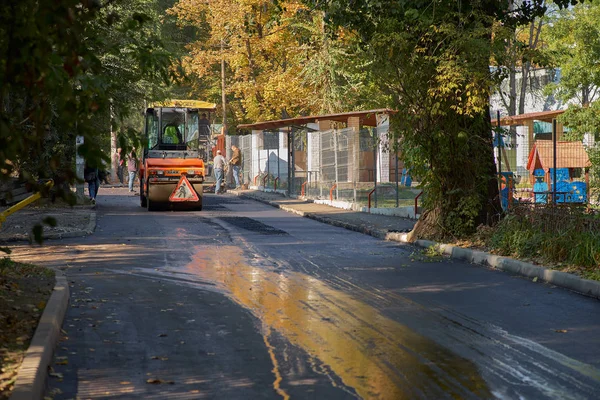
<point x="236" y="163"/>
<point x="90" y="175"/>
<point x="120" y="166"/>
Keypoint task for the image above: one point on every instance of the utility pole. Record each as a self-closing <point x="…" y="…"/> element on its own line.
<point x="223" y="94"/>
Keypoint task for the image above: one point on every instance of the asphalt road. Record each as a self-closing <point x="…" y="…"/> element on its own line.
<point x="245" y="301"/>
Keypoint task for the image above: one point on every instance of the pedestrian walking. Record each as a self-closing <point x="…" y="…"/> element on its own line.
<point x="132" y="167"/>
<point x="90" y="175"/>
<point x="236" y="163"/>
<point x="219" y="166"/>
<point x="121" y="166"/>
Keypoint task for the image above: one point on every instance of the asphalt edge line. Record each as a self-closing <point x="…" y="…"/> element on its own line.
<point x="565" y="280"/>
<point x="31" y="377"/>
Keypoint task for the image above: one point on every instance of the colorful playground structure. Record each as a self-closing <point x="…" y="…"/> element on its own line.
<point x="571" y="175"/>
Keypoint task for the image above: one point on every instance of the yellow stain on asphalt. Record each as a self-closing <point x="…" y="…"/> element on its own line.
<point x="374" y="355"/>
<point x="275" y="370"/>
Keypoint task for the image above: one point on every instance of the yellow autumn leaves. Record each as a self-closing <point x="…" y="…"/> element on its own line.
<point x="266" y="47"/>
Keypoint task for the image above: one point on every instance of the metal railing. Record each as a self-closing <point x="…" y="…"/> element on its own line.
<point x="23" y="203"/>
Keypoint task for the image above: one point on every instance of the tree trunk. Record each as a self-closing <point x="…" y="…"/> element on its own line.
<point x="114" y="158"/>
<point x="472" y="179"/>
<point x="585" y="96"/>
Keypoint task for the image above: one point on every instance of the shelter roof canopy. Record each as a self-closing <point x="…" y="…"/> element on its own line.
<point x="368" y="118"/>
<point x="523" y="119"/>
<point x="568" y="155"/>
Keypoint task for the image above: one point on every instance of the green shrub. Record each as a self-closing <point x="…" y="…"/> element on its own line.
<point x="522" y="237"/>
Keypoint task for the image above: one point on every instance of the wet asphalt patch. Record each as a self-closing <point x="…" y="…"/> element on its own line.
<point x="252" y="225"/>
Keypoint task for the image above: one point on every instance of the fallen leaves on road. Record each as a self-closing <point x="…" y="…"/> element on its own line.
<point x="56" y="375"/>
<point x="61" y="361"/>
<point x="561" y="331"/>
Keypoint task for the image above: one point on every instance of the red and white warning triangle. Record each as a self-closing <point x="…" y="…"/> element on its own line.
<point x="184" y="191"/>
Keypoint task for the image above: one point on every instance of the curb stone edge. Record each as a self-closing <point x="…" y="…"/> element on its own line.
<point x="31" y="377"/>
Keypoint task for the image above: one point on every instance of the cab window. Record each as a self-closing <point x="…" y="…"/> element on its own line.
<point x="152" y="129"/>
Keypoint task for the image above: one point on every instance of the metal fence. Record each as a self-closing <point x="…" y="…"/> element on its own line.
<point x="353" y="167"/>
<point x="360" y="168"/>
<point x="537" y="165"/>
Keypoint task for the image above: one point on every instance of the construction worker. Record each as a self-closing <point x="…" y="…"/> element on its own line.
<point x="171" y="135"/>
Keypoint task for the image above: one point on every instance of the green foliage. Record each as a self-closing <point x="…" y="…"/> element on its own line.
<point x="10" y="268"/>
<point x="341" y="72"/>
<point x="433" y="253"/>
<point x="64" y="67"/>
<point x="594" y="155"/>
<point x="581" y="120"/>
<point x="445" y="138"/>
<point x="573" y="43"/>
<point x="432" y="60"/>
<point x="526" y="239"/>
<point x="573" y="40"/>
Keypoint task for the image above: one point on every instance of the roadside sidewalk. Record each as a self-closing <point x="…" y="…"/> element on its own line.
<point x="70" y="222"/>
<point x="76" y="221"/>
<point x="395" y="228"/>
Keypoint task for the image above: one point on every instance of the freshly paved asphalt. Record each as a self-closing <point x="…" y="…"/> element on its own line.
<point x="243" y="300"/>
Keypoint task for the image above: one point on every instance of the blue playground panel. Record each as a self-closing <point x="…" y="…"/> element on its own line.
<point x="578" y="192"/>
<point x="540" y="186"/>
<point x="563" y="189"/>
<point x="567" y="192"/>
<point x="562" y="174"/>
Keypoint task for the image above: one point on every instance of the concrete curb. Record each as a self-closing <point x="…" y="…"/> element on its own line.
<point x="58" y="235"/>
<point x="562" y="279"/>
<point x="31" y="377"/>
<point x="558" y="278"/>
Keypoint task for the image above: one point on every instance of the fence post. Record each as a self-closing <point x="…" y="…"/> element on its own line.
<point x="289" y="158"/>
<point x="554" y="161"/>
<point x="292" y="161"/>
<point x="320" y="176"/>
<point x="268" y="164"/>
<point x="354" y="159"/>
<point x="375" y="163"/>
<point x="257" y="155"/>
<point x="335" y="162"/>
<point x="397" y="186"/>
<point x="242" y="148"/>
<point x="499" y="138"/>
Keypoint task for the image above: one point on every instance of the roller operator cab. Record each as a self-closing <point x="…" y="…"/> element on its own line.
<point x="177" y="136"/>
